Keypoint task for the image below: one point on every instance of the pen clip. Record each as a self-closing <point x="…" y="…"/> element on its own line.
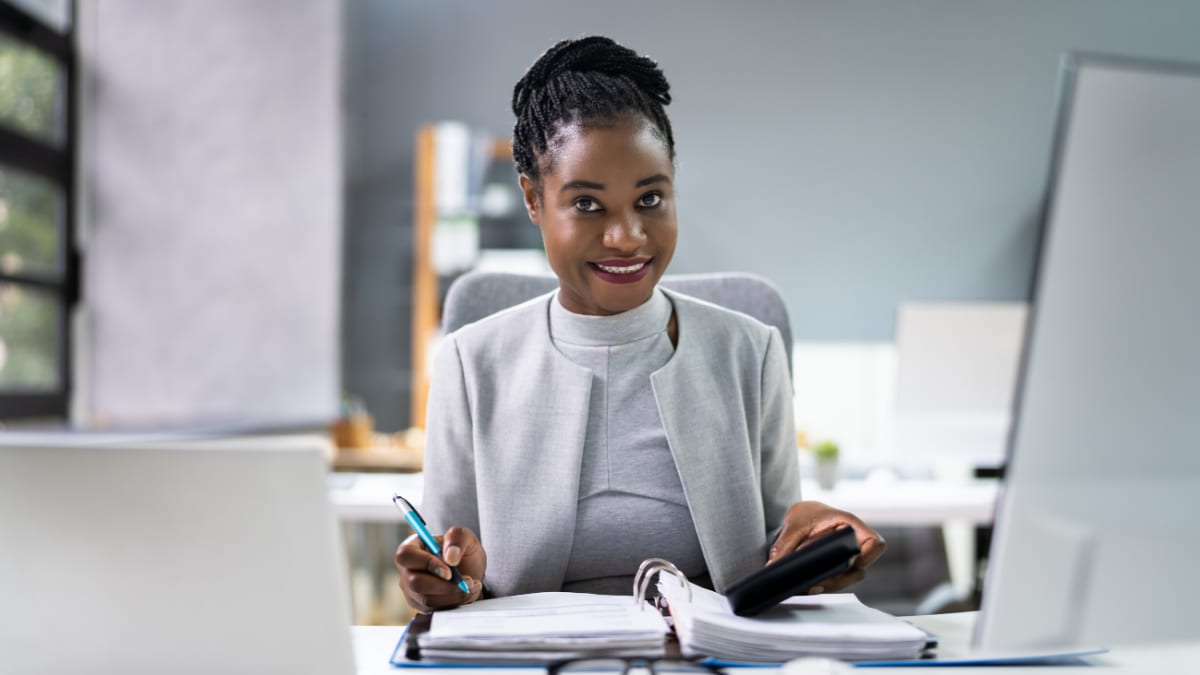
<point x="406" y="507"/>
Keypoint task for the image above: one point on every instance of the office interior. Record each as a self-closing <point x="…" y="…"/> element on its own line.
<point x="235" y="245"/>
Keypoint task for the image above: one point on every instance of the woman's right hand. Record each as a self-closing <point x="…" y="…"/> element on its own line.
<point x="425" y="579"/>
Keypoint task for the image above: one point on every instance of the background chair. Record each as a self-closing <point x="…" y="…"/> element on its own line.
<point x="475" y="295"/>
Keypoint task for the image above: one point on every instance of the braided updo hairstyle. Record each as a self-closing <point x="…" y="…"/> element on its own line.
<point x="588" y="80"/>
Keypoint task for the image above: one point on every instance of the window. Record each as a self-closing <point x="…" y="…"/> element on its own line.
<point x="38" y="265"/>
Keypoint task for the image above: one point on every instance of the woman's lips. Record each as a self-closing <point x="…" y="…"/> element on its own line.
<point x="621" y="270"/>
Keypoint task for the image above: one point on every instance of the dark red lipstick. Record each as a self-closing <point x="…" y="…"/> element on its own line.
<point x="621" y="277"/>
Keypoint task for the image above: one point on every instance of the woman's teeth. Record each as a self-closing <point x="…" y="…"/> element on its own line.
<point x="621" y="270"/>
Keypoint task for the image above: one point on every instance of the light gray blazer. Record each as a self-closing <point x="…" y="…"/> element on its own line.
<point x="505" y="435"/>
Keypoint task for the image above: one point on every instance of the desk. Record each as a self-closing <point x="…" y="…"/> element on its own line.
<point x="373" y="647"/>
<point x="955" y="507"/>
<point x="395" y="459"/>
<point x="359" y="497"/>
<point x="367" y="497"/>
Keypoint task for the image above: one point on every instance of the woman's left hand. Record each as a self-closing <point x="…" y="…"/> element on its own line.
<point x="807" y="520"/>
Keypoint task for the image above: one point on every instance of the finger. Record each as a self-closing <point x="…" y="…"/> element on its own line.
<point x="839" y="582"/>
<point x="476" y="587"/>
<point x="412" y="559"/>
<point x="412" y="542"/>
<point x="793" y="532"/>
<point x="425" y="593"/>
<point x="457" y="541"/>
<point x="799" y="536"/>
<point x="428" y="584"/>
<point x="408" y="553"/>
<point x="871" y="544"/>
<point x="871" y="549"/>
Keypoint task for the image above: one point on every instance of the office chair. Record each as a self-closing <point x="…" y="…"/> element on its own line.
<point x="477" y="294"/>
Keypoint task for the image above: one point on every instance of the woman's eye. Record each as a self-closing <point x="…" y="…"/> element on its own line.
<point x="650" y="200"/>
<point x="586" y="205"/>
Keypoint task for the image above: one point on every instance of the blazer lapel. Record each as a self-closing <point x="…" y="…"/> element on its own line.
<point x="707" y="434"/>
<point x="542" y="467"/>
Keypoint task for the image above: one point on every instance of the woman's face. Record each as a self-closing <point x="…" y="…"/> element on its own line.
<point x="607" y="213"/>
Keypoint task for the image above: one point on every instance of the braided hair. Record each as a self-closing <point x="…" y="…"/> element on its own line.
<point x="588" y="80"/>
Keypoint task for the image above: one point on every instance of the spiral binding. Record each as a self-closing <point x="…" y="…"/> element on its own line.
<point x="646" y="572"/>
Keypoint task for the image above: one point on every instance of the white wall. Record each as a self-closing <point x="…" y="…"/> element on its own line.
<point x="210" y="186"/>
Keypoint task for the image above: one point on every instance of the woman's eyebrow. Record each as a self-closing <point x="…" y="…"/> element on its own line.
<point x="591" y="185"/>
<point x="581" y="185"/>
<point x="656" y="178"/>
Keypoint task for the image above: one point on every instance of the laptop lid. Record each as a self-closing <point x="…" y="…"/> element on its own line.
<point x="183" y="558"/>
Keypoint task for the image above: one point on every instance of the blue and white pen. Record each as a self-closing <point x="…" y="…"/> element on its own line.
<point x="418" y="525"/>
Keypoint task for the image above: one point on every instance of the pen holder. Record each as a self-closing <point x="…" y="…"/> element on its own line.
<point x="355" y="431"/>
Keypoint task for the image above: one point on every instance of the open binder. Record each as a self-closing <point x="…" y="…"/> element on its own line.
<point x="540" y="628"/>
<point x="834" y="625"/>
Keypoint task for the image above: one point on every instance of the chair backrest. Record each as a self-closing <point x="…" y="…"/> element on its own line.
<point x="475" y="295"/>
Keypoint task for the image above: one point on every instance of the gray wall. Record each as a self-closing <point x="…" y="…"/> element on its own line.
<point x="211" y="184"/>
<point x="857" y="153"/>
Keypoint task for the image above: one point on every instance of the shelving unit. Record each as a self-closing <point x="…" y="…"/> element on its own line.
<point x="427" y="284"/>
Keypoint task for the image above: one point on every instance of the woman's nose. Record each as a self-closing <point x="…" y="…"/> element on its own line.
<point x="624" y="234"/>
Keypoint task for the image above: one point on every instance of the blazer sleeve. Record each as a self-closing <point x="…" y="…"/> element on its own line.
<point x="450" y="496"/>
<point x="780" y="460"/>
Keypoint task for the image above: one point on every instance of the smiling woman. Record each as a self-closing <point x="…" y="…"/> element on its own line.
<point x="574" y="435"/>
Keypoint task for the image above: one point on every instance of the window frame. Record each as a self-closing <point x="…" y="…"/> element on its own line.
<point x="56" y="164"/>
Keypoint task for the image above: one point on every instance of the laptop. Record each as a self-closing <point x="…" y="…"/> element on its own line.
<point x="171" y="557"/>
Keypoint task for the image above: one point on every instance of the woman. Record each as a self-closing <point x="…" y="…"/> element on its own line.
<point x="583" y="431"/>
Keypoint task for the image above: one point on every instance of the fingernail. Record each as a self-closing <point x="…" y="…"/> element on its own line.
<point x="444" y="572"/>
<point x="453" y="555"/>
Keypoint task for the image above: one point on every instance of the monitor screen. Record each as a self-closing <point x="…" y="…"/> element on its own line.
<point x="1098" y="525"/>
<point x="956" y="369"/>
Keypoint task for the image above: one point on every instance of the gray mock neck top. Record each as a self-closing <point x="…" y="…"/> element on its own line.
<point x="631" y="502"/>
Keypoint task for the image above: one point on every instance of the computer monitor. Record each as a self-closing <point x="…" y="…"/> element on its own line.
<point x="956" y="369"/>
<point x="1098" y="527"/>
<point x="128" y="556"/>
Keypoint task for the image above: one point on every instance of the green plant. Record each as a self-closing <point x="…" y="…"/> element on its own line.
<point x="825" y="450"/>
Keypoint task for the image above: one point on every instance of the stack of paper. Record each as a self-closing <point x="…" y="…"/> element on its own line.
<point x="836" y="625"/>
<point x="543" y="627"/>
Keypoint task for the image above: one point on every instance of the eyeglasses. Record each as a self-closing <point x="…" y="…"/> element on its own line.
<point x="625" y="666"/>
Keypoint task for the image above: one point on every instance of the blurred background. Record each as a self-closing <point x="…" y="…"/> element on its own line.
<point x="232" y="215"/>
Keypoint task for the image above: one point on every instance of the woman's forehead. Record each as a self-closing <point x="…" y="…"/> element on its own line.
<point x="630" y="143"/>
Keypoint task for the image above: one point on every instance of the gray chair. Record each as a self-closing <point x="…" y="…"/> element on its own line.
<point x="475" y="295"/>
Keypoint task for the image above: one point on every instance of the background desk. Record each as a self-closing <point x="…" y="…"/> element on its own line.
<point x="373" y="648"/>
<point x="956" y="507"/>
<point x="361" y="497"/>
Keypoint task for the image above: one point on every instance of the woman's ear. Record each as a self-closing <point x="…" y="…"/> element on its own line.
<point x="533" y="201"/>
